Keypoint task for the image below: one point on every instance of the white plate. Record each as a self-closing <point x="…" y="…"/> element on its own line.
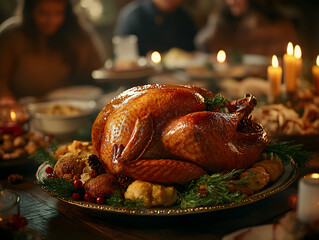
<point x="263" y="232"/>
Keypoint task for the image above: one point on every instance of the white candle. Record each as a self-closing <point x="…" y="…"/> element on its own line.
<point x="289" y="69"/>
<point x="315" y="74"/>
<point x="221" y="61"/>
<point x="308" y="199"/>
<point x="298" y="62"/>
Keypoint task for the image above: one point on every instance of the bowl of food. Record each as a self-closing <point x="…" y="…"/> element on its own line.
<point x="62" y="116"/>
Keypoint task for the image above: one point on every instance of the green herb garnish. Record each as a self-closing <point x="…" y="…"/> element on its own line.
<point x="286" y="151"/>
<point x="60" y="187"/>
<point x="45" y="154"/>
<point x="116" y="200"/>
<point x="215" y="103"/>
<point x="217" y="190"/>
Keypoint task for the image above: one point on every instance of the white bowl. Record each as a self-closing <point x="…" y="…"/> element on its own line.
<point x="61" y="124"/>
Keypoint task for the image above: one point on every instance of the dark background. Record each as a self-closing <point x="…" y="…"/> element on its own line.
<point x="304" y="14"/>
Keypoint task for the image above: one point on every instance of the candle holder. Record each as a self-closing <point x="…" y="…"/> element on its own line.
<point x="12" y="119"/>
<point x="9" y="204"/>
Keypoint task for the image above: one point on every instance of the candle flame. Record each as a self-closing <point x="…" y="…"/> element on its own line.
<point x="221" y="56"/>
<point x="298" y="52"/>
<point x="315" y="175"/>
<point x="317" y="62"/>
<point x="13" y="116"/>
<point x="274" y="61"/>
<point x="156" y="57"/>
<point x="290" y="48"/>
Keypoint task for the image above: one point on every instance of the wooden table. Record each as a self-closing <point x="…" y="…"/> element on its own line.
<point x="54" y="219"/>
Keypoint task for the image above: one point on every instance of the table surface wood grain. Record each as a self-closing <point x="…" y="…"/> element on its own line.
<point x="54" y="219"/>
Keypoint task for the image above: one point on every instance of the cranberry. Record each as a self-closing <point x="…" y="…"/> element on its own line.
<point x="51" y="175"/>
<point x="78" y="183"/>
<point x="100" y="200"/>
<point x="49" y="169"/>
<point x="88" y="198"/>
<point x="76" y="196"/>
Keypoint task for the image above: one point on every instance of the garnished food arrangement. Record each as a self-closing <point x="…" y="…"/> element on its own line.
<point x="169" y="145"/>
<point x="20" y="144"/>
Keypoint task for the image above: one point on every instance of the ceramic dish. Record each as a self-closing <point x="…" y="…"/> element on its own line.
<point x="289" y="176"/>
<point x="61" y="124"/>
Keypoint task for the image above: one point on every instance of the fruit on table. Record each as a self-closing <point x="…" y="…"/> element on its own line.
<point x="164" y="134"/>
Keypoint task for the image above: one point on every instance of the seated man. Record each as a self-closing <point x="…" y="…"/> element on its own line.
<point x="158" y="24"/>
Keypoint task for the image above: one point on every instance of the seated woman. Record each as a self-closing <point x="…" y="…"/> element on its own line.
<point x="247" y="26"/>
<point x="45" y="48"/>
<point x="158" y="24"/>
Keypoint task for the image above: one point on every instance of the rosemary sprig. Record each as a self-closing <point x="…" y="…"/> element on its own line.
<point x="217" y="191"/>
<point x="60" y="187"/>
<point x="45" y="155"/>
<point x="215" y="103"/>
<point x="116" y="200"/>
<point x="286" y="150"/>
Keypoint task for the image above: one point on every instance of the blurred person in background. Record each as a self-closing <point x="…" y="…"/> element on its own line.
<point x="45" y="47"/>
<point x="247" y="26"/>
<point x="158" y="24"/>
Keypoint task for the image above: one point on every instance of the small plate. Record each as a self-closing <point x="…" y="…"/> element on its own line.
<point x="262" y="232"/>
<point x="288" y="177"/>
<point x="109" y="72"/>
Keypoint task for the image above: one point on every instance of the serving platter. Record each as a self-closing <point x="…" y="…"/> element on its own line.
<point x="289" y="176"/>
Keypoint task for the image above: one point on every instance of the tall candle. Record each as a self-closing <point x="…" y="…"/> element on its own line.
<point x="221" y="65"/>
<point x="298" y="63"/>
<point x="308" y="199"/>
<point x="315" y="74"/>
<point x="289" y="69"/>
<point x="274" y="73"/>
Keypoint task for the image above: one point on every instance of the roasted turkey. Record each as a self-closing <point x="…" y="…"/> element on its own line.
<point x="165" y="134"/>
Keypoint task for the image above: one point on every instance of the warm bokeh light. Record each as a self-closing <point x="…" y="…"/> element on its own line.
<point x="274" y="61"/>
<point x="13" y="116"/>
<point x="298" y="52"/>
<point x="315" y="175"/>
<point x="221" y="56"/>
<point x="317" y="62"/>
<point x="290" y="48"/>
<point x="156" y="57"/>
<point x="94" y="8"/>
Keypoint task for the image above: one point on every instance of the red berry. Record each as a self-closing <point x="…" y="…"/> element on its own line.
<point x="49" y="169"/>
<point x="76" y="196"/>
<point x="51" y="175"/>
<point x="293" y="200"/>
<point x="88" y="198"/>
<point x="78" y="183"/>
<point x="100" y="200"/>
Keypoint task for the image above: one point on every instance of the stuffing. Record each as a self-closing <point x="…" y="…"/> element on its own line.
<point x="152" y="194"/>
<point x="69" y="167"/>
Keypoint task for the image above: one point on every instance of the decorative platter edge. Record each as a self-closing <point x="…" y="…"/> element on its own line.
<point x="289" y="176"/>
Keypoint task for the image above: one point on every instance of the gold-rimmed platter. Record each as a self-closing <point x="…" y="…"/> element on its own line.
<point x="289" y="176"/>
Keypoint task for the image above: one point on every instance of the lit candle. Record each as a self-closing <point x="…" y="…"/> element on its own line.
<point x="289" y="69"/>
<point x="221" y="59"/>
<point x="155" y="59"/>
<point x="298" y="63"/>
<point x="221" y="56"/>
<point x="308" y="199"/>
<point x="315" y="74"/>
<point x="274" y="77"/>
